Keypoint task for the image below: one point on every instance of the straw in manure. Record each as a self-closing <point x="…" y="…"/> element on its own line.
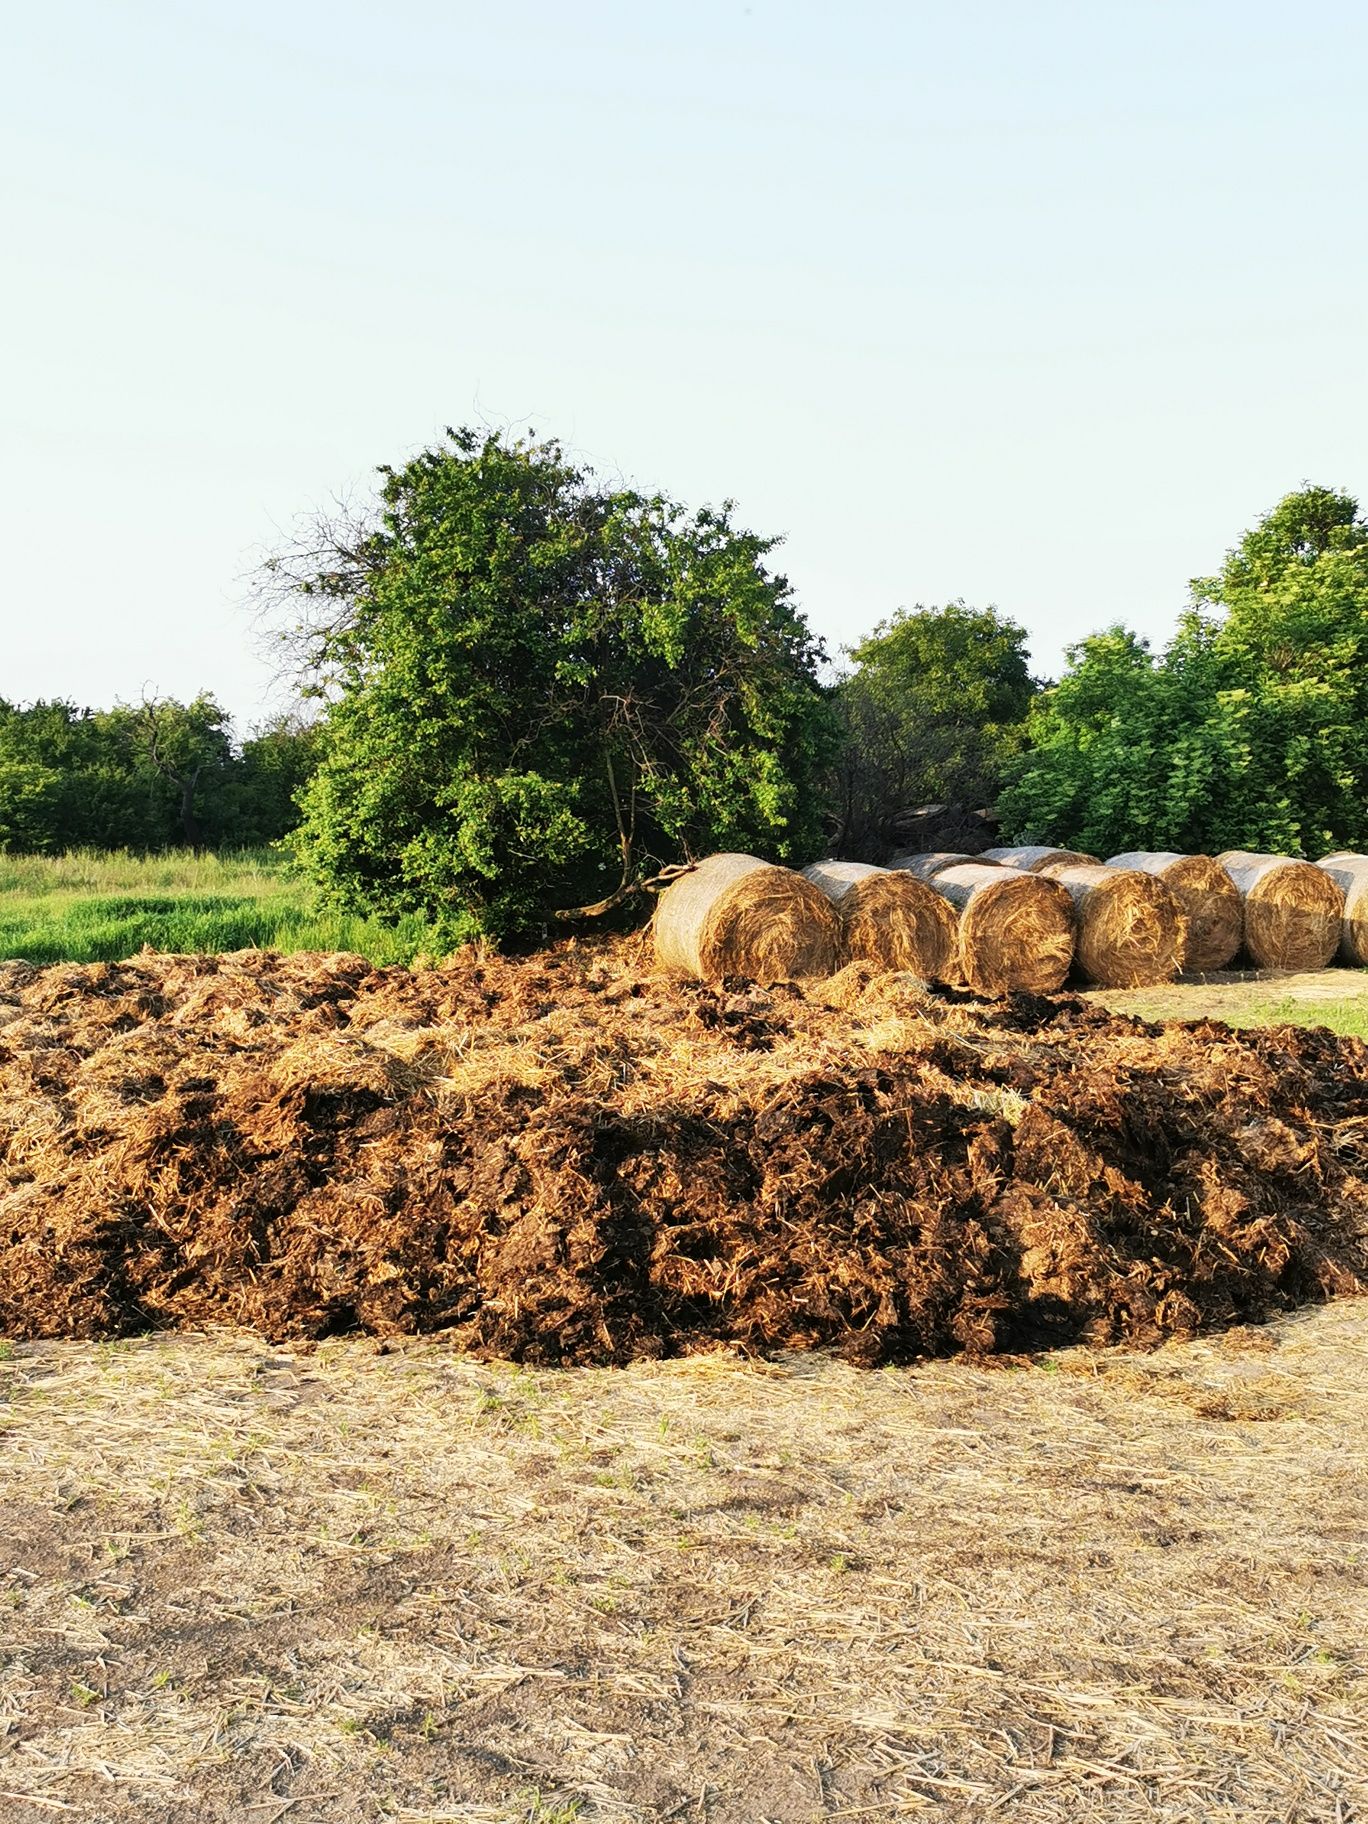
<point x="1033" y="857"/>
<point x="1207" y="897"/>
<point x="1350" y="874"/>
<point x="1016" y="930"/>
<point x="891" y="920"/>
<point x="738" y="915"/>
<point x="1130" y="930"/>
<point x="1293" y="911"/>
<point x="933" y="862"/>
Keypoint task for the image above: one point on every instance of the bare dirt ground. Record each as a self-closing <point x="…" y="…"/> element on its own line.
<point x="272" y="1587"/>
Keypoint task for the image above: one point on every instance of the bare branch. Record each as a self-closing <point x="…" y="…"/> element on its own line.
<point x="628" y="890"/>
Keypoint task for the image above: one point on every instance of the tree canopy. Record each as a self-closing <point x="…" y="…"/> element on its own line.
<point x="933" y="711"/>
<point x="1250" y="730"/>
<point x="147" y="776"/>
<point x="541" y="689"/>
<point x="538" y="690"/>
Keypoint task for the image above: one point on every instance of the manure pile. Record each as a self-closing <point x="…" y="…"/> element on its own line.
<point x="569" y="1159"/>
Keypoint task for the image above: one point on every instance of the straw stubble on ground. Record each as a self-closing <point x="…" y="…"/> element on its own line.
<point x="248" y="1584"/>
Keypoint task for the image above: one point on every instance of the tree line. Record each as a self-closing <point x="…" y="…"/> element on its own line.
<point x="150" y="776"/>
<point x="1248" y="730"/>
<point x="536" y="691"/>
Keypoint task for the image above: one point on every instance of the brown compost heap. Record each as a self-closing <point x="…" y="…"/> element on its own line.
<point x="1207" y="897"/>
<point x="1350" y="874"/>
<point x="1293" y="912"/>
<point x="738" y="915"/>
<point x="570" y="1158"/>
<point x="891" y="920"/>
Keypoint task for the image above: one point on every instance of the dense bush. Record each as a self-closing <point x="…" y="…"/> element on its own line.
<point x="541" y="689"/>
<point x="1249" y="731"/>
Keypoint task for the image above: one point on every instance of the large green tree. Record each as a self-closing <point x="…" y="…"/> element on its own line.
<point x="1249" y="731"/>
<point x="540" y="689"/>
<point x="933" y="710"/>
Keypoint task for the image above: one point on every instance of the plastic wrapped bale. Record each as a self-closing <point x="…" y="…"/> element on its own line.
<point x="1130" y="930"/>
<point x="738" y="915"/>
<point x="1350" y="874"/>
<point x="935" y="861"/>
<point x="1016" y="930"/>
<point x="1207" y="897"/>
<point x="1293" y="912"/>
<point x="1033" y="857"/>
<point x="891" y="920"/>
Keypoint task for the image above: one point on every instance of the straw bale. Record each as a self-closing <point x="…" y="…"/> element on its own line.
<point x="1130" y="928"/>
<point x="1207" y="897"/>
<point x="1293" y="912"/>
<point x="1350" y="874"/>
<point x="936" y="861"/>
<point x="1033" y="857"/>
<point x="1016" y="929"/>
<point x="738" y="915"/>
<point x="890" y="919"/>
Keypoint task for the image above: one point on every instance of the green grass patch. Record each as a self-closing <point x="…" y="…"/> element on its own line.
<point x="1348" y="1016"/>
<point x="92" y="907"/>
<point x="1337" y="998"/>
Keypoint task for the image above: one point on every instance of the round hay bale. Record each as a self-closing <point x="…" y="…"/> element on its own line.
<point x="1130" y="930"/>
<point x="1032" y="858"/>
<point x="738" y="915"/>
<point x="1292" y="911"/>
<point x="891" y="920"/>
<point x="1350" y="874"/>
<point x="1016" y="930"/>
<point x="1207" y="898"/>
<point x="936" y="861"/>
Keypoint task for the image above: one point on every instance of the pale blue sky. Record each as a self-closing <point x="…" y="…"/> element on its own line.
<point x="1037" y="305"/>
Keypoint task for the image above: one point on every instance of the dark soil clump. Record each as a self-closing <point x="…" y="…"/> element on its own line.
<point x="565" y="1159"/>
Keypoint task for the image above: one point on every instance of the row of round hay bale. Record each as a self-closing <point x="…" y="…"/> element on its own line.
<point x="935" y="861"/>
<point x="1207" y="898"/>
<point x="1016" y="930"/>
<point x="890" y="919"/>
<point x="738" y="915"/>
<point x="1017" y="913"/>
<point x="1350" y="874"/>
<point x="999" y="929"/>
<point x="1130" y="927"/>
<point x="1033" y="857"/>
<point x="1293" y="911"/>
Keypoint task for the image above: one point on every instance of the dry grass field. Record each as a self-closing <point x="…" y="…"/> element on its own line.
<point x="387" y="1582"/>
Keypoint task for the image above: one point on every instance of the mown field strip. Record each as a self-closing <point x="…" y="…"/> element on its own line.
<point x="247" y="1582"/>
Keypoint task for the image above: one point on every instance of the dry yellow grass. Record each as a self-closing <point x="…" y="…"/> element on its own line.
<point x="273" y="1588"/>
